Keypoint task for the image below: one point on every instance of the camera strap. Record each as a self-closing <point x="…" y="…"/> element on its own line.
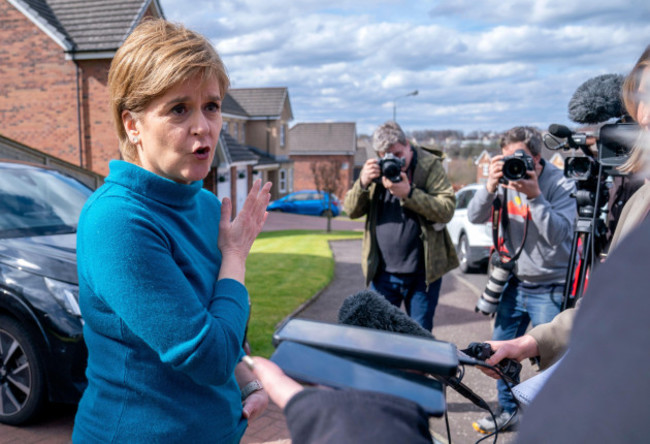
<point x="500" y="218"/>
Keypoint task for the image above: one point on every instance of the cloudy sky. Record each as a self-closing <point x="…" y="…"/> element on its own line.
<point x="476" y="64"/>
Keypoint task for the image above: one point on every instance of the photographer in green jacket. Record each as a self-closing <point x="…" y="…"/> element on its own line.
<point x="407" y="199"/>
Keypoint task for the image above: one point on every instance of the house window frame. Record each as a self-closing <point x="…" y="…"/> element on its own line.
<point x="282" y="179"/>
<point x="291" y="180"/>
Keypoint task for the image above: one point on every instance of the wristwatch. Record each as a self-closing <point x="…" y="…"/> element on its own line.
<point x="251" y="387"/>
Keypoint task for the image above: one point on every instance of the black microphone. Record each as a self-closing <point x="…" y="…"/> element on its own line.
<point x="597" y="100"/>
<point x="369" y="309"/>
<point x="560" y="131"/>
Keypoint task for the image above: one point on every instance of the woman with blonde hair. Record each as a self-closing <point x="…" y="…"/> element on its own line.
<point x="161" y="265"/>
<point x="636" y="97"/>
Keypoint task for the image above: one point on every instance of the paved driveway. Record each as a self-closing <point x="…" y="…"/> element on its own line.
<point x="285" y="221"/>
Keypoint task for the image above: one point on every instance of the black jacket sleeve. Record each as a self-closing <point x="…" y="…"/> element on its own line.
<point x="352" y="416"/>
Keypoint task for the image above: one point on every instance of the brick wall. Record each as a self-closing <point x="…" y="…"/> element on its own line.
<point x="303" y="178"/>
<point x="38" y="96"/>
<point x="37" y="88"/>
<point x="100" y="143"/>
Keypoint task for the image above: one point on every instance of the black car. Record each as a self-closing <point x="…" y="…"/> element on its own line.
<point x="42" y="352"/>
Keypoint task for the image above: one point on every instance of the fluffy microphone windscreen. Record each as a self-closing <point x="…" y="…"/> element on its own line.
<point x="597" y="100"/>
<point x="371" y="310"/>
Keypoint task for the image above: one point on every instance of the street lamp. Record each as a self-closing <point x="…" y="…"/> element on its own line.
<point x="412" y="93"/>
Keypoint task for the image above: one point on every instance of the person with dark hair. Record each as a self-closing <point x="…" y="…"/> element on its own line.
<point x="161" y="264"/>
<point x="406" y="246"/>
<point x="537" y="216"/>
<point x="549" y="341"/>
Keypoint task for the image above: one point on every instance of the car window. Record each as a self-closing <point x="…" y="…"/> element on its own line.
<point x="463" y="198"/>
<point x="39" y="202"/>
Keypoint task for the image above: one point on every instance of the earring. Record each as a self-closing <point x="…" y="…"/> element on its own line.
<point x="135" y="139"/>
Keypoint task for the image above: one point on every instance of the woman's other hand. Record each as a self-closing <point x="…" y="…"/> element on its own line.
<point x="255" y="404"/>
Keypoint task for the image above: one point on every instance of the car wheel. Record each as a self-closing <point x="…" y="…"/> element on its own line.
<point x="326" y="213"/>
<point x="22" y="375"/>
<point x="463" y="254"/>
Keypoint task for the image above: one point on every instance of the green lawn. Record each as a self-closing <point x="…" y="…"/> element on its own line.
<point x="283" y="270"/>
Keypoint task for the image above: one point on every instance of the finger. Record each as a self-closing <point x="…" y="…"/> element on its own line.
<point x="265" y="195"/>
<point x="252" y="194"/>
<point x="245" y="412"/>
<point x="226" y="212"/>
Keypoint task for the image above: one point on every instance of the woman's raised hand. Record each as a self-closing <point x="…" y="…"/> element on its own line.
<point x="236" y="237"/>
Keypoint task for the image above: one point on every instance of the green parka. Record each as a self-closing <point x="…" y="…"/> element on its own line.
<point x="432" y="199"/>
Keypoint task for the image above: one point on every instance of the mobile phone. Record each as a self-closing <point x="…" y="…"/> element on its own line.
<point x="316" y="366"/>
<point x="386" y="349"/>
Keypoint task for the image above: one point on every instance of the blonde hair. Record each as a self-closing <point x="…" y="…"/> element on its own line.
<point x="154" y="58"/>
<point x="631" y="100"/>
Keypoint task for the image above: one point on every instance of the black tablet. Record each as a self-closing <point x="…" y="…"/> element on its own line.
<point x="386" y="349"/>
<point x="315" y="366"/>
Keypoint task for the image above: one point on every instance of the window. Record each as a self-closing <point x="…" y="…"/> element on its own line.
<point x="235" y="131"/>
<point x="486" y="169"/>
<point x="282" y="135"/>
<point x="463" y="199"/>
<point x="225" y="127"/>
<point x="283" y="181"/>
<point x="290" y="179"/>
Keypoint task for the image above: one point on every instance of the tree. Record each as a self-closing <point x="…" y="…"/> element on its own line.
<point x="327" y="178"/>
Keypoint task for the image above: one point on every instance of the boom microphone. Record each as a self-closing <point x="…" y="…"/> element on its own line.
<point x="371" y="310"/>
<point x="560" y="131"/>
<point x="597" y="100"/>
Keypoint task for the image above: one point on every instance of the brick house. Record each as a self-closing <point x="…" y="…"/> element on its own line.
<point x="260" y="121"/>
<point x="364" y="152"/>
<point x="315" y="142"/>
<point x="54" y="62"/>
<point x="54" y="65"/>
<point x="482" y="166"/>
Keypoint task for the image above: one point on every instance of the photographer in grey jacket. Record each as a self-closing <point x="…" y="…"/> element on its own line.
<point x="539" y="214"/>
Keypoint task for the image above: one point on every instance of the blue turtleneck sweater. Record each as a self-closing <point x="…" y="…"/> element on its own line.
<point x="163" y="334"/>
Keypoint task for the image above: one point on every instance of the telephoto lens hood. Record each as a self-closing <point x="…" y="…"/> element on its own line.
<point x="488" y="301"/>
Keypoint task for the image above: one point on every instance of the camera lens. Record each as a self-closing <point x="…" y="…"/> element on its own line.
<point x="514" y="169"/>
<point x="580" y="168"/>
<point x="391" y="167"/>
<point x="489" y="300"/>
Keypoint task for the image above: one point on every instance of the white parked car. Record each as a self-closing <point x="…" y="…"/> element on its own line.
<point x="472" y="241"/>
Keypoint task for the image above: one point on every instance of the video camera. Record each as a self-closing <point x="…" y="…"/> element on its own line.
<point x="591" y="172"/>
<point x="614" y="142"/>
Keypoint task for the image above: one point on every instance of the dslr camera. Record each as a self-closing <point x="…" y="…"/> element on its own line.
<point x="391" y="167"/>
<point x="488" y="301"/>
<point x="516" y="165"/>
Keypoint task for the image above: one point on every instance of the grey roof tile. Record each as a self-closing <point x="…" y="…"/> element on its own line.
<point x="261" y="102"/>
<point x="323" y="138"/>
<point x="230" y="106"/>
<point x="238" y="152"/>
<point x="91" y="25"/>
<point x="41" y="11"/>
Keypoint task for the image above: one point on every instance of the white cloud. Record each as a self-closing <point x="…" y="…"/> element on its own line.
<point x="491" y="63"/>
